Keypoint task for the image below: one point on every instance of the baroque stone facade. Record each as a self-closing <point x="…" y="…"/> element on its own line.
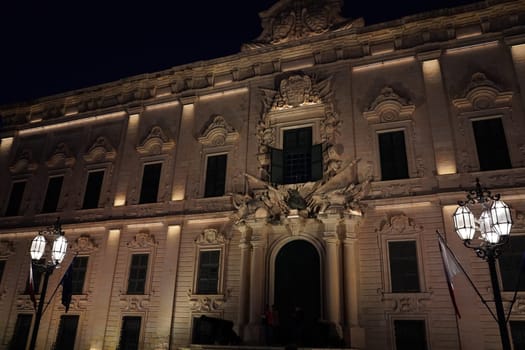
<point x="317" y="149"/>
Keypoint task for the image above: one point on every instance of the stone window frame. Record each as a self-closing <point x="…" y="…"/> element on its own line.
<point x="163" y="173"/>
<point x="143" y="320"/>
<point x="16" y="179"/>
<point x="408" y="317"/>
<point x="396" y="228"/>
<point x="104" y="196"/>
<point x="60" y="204"/>
<point x="211" y="239"/>
<point x="143" y="242"/>
<point x="217" y="138"/>
<point x="84" y="246"/>
<point x="408" y="130"/>
<point x="471" y="164"/>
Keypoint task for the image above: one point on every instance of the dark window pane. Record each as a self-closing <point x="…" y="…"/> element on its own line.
<point x="79" y="269"/>
<point x="392" y="152"/>
<point x="491" y="144"/>
<point x="410" y="334"/>
<point x="21" y="333"/>
<point x="54" y="188"/>
<point x="137" y="273"/>
<point x="93" y="188"/>
<point x="208" y="275"/>
<point x="297" y="155"/>
<point x="130" y="333"/>
<point x="317" y="162"/>
<point x="517" y="329"/>
<point x="150" y="183"/>
<point x="67" y="331"/>
<point x="510" y="264"/>
<point x="15" y="198"/>
<point x="403" y="266"/>
<point x="215" y="175"/>
<point x="277" y="166"/>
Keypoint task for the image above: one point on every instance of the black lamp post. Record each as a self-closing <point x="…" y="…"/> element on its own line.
<point x="37" y="250"/>
<point x="494" y="226"/>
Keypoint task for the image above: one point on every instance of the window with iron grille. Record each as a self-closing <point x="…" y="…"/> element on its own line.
<point x="208" y="273"/>
<point x="137" y="273"/>
<point x="15" y="198"/>
<point x="93" y="189"/>
<point x="54" y="187"/>
<point x="150" y="183"/>
<point x="404" y="274"/>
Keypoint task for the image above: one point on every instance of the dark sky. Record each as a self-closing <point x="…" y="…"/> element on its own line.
<point x="50" y="47"/>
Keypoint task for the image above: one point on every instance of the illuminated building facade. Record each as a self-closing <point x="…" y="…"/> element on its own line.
<point x="312" y="170"/>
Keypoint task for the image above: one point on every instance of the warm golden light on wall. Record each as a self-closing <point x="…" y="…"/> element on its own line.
<point x="518" y="52"/>
<point x="120" y="200"/>
<point x="177" y="195"/>
<point x="431" y="69"/>
<point x="221" y="94"/>
<point x="5" y="145"/>
<point x="381" y="64"/>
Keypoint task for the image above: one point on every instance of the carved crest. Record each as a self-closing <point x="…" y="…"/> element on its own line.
<point x="218" y="133"/>
<point x="291" y="20"/>
<point x="398" y="224"/>
<point x="388" y="106"/>
<point x="143" y="239"/>
<point x="100" y="151"/>
<point x="156" y="142"/>
<point x="482" y="93"/>
<point x="295" y="91"/>
<point x="84" y="245"/>
<point x="61" y="157"/>
<point x="210" y="236"/>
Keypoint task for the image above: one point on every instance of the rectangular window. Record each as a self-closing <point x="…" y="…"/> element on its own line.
<point x="491" y="144"/>
<point x="393" y="156"/>
<point x="67" y="331"/>
<point x="137" y="273"/>
<point x="54" y="187"/>
<point x="510" y="265"/>
<point x="208" y="273"/>
<point x="410" y="334"/>
<point x="79" y="269"/>
<point x="299" y="161"/>
<point x="149" y="189"/>
<point x="517" y="329"/>
<point x="215" y="175"/>
<point x="93" y="189"/>
<point x="2" y="268"/>
<point x="130" y="333"/>
<point x="15" y="198"/>
<point x="21" y="333"/>
<point x="404" y="273"/>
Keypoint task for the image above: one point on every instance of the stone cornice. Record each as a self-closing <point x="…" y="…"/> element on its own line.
<point x="406" y="36"/>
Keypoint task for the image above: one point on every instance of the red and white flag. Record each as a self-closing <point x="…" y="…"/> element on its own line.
<point x="451" y="267"/>
<point x="31" y="283"/>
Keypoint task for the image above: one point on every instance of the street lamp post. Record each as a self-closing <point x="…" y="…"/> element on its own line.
<point x="37" y="250"/>
<point x="494" y="226"/>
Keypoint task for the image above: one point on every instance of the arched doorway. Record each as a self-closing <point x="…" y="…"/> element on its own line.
<point x="297" y="285"/>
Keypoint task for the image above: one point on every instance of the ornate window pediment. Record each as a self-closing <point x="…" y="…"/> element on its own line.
<point x="399" y="224"/>
<point x="218" y="133"/>
<point x="388" y="106"/>
<point x="61" y="157"/>
<point x="156" y="142"/>
<point x="101" y="150"/>
<point x="142" y="240"/>
<point x="24" y="163"/>
<point x="84" y="245"/>
<point x="210" y="236"/>
<point x="482" y="93"/>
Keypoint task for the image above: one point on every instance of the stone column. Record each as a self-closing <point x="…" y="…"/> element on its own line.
<point x="333" y="280"/>
<point x="244" y="283"/>
<point x="517" y="50"/>
<point x="354" y="333"/>
<point x="438" y="113"/>
<point x="127" y="166"/>
<point x="5" y="151"/>
<point x="257" y="283"/>
<point x="184" y="158"/>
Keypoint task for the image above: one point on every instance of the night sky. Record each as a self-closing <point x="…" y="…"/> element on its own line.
<point x="50" y="47"/>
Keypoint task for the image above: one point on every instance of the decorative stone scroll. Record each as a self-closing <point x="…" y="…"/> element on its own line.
<point x="100" y="151"/>
<point x="218" y="133"/>
<point x="206" y="303"/>
<point x="482" y="93"/>
<point x="389" y="107"/>
<point x="23" y="163"/>
<point x="61" y="157"/>
<point x="155" y="143"/>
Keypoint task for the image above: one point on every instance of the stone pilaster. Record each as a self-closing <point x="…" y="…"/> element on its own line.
<point x="244" y="287"/>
